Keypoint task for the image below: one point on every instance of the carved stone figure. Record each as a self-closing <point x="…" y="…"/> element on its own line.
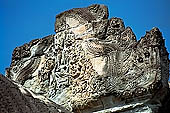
<point x="95" y="64"/>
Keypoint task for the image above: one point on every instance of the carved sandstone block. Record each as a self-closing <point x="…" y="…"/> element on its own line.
<point x="95" y="64"/>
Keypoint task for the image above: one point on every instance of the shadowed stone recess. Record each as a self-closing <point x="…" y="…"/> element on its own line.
<point x="95" y="64"/>
<point x="14" y="98"/>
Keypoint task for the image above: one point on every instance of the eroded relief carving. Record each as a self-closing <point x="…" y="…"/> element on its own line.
<point x="91" y="57"/>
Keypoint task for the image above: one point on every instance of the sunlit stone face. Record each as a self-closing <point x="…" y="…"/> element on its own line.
<point x="91" y="57"/>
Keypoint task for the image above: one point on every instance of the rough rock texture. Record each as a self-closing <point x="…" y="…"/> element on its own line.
<point x="14" y="98"/>
<point x="95" y="64"/>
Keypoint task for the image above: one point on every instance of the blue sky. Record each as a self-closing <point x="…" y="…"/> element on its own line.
<point x="24" y="20"/>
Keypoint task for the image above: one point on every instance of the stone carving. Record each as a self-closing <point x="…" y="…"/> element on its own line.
<point x="14" y="98"/>
<point x="94" y="64"/>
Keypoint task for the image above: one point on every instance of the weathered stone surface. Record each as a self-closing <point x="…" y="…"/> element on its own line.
<point x="95" y="64"/>
<point x="80" y="16"/>
<point x="14" y="98"/>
